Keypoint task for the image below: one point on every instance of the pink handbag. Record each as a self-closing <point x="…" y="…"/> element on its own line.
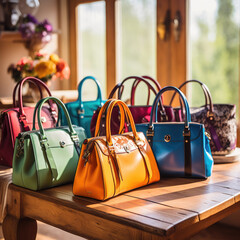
<point x="140" y="113"/>
<point x="20" y="119"/>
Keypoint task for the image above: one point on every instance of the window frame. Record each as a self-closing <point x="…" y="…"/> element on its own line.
<point x="171" y="55"/>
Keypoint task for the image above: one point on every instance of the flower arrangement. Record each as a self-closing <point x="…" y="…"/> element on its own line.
<point x="31" y="29"/>
<point x="42" y="66"/>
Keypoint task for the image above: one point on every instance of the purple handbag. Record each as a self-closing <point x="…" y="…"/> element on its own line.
<point x="219" y="120"/>
<point x="140" y="113"/>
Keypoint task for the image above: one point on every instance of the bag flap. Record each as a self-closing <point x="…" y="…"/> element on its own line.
<point x="45" y="115"/>
<point x="59" y="137"/>
<point x="122" y="143"/>
<point x="89" y="108"/>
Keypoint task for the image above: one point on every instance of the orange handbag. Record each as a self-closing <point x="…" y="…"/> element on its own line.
<point x="110" y="165"/>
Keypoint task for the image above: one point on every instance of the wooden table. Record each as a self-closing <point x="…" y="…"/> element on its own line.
<point x="170" y="209"/>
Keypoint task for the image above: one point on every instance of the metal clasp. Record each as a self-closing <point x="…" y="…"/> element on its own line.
<point x="126" y="148"/>
<point x="81" y="111"/>
<point x="186" y="132"/>
<point x="62" y="144"/>
<point x="210" y="115"/>
<point x="208" y="136"/>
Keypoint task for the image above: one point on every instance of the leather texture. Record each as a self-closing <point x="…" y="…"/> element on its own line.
<point x="218" y="119"/>
<point x="47" y="158"/>
<point x="181" y="149"/>
<point x="112" y="164"/>
<point x="80" y="111"/>
<point x="140" y="113"/>
<point x="19" y="119"/>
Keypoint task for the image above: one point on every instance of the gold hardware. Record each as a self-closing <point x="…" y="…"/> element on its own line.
<point x="43" y="119"/>
<point x="81" y="111"/>
<point x="208" y="135"/>
<point x="150" y="133"/>
<point x="210" y="116"/>
<point x="167" y="138"/>
<point x="187" y="133"/>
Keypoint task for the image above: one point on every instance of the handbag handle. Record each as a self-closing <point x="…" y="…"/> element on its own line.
<point x="43" y="138"/>
<point x="99" y="96"/>
<point x="103" y="110"/>
<point x="136" y="83"/>
<point x="37" y="111"/>
<point x="15" y="90"/>
<point x="120" y="86"/>
<point x="128" y="115"/>
<point x="156" y="100"/>
<point x="37" y="81"/>
<point x="207" y="95"/>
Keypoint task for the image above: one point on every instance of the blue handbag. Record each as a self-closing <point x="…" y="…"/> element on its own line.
<point x="181" y="149"/>
<point x="80" y="111"/>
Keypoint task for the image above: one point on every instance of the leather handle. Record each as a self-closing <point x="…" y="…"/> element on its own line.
<point x="134" y="87"/>
<point x="156" y="83"/>
<point x="108" y="120"/>
<point x="136" y="83"/>
<point x="104" y="109"/>
<point x="38" y="109"/>
<point x="37" y="81"/>
<point x="118" y="87"/>
<point x="15" y="90"/>
<point x="99" y="96"/>
<point x="207" y="94"/>
<point x="156" y="100"/>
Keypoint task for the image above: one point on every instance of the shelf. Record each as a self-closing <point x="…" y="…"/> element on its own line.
<point x="10" y="36"/>
<point x="15" y="36"/>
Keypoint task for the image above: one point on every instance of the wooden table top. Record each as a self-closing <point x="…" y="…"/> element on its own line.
<point x="173" y="208"/>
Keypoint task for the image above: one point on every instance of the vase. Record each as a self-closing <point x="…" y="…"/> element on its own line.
<point x="34" y="45"/>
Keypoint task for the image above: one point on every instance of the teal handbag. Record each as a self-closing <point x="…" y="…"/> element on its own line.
<point x="47" y="158"/>
<point x="81" y="112"/>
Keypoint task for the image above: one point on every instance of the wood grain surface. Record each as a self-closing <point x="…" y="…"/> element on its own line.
<point x="173" y="208"/>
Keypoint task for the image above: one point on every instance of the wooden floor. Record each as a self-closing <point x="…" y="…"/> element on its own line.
<point x="217" y="231"/>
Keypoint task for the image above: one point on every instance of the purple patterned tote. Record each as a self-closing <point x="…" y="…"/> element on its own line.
<point x="219" y="120"/>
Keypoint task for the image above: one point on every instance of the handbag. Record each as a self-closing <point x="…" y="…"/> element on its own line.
<point x="80" y="111"/>
<point x="140" y="113"/>
<point x="19" y="119"/>
<point x="112" y="164"/>
<point x="47" y="158"/>
<point x="181" y="149"/>
<point x="219" y="120"/>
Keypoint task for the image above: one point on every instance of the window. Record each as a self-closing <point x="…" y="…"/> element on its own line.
<point x="136" y="37"/>
<point x="91" y="47"/>
<point x="214" y="49"/>
<point x="132" y="45"/>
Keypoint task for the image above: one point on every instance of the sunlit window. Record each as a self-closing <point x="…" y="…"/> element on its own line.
<point x="91" y="45"/>
<point x="214" y="49"/>
<point x="136" y="41"/>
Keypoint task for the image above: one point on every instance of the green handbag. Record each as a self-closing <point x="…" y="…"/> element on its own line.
<point x="47" y="158"/>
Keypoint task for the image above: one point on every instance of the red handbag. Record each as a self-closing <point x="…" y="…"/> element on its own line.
<point x="20" y="119"/>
